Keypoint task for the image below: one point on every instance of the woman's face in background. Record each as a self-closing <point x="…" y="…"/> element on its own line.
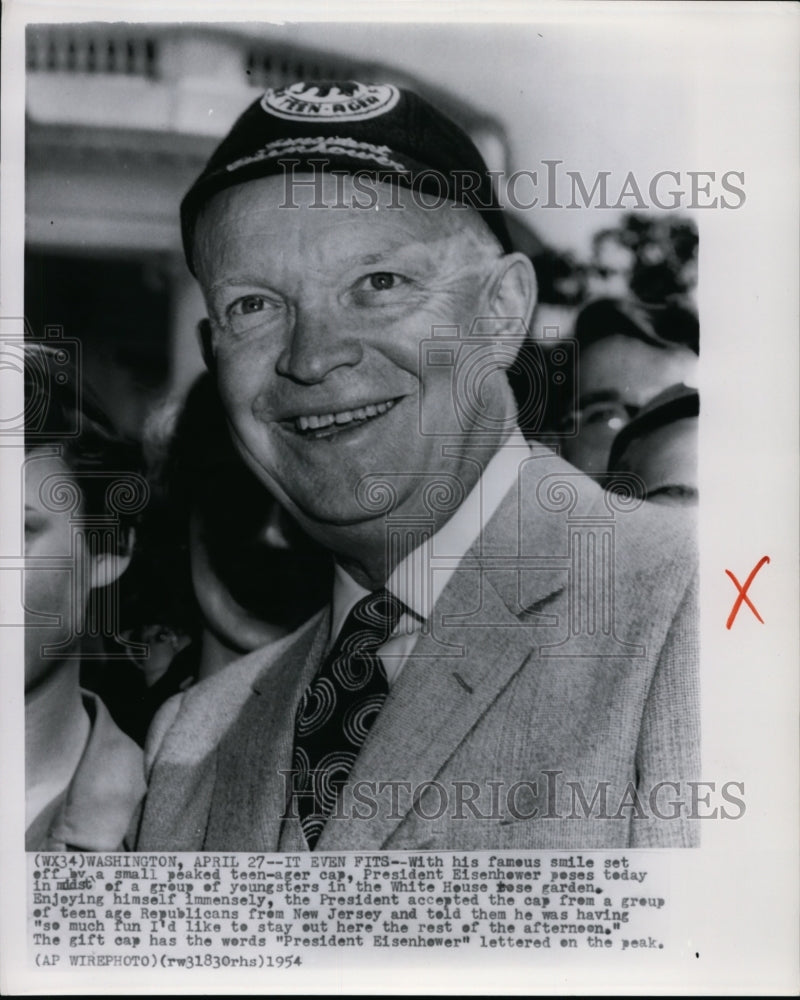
<point x="56" y="581"/>
<point x="60" y="570"/>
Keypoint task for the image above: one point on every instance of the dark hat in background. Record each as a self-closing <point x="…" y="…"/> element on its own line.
<point x="663" y="325"/>
<point x="674" y="403"/>
<point x="388" y="132"/>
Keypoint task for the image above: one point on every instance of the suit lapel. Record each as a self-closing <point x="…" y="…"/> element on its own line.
<point x="434" y="704"/>
<point x="250" y="793"/>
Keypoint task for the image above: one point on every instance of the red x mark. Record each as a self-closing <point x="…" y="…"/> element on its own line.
<point x="743" y="592"/>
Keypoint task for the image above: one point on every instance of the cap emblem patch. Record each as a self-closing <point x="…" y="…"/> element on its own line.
<point x="350" y="101"/>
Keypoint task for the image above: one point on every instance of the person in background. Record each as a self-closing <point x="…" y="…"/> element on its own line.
<point x="628" y="352"/>
<point x="660" y="446"/>
<point x="220" y="568"/>
<point x="84" y="777"/>
<point x="612" y="265"/>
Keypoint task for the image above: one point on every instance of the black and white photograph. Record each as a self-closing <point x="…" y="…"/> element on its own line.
<point x="396" y="569"/>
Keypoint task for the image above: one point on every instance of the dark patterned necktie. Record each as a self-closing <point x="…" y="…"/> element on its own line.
<point x="339" y="707"/>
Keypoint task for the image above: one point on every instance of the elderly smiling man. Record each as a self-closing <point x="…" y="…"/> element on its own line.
<point x="509" y="657"/>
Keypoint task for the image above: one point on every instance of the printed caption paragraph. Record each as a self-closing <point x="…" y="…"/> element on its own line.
<point x="283" y="911"/>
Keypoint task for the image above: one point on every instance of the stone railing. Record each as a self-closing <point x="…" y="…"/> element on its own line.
<point x="129" y="50"/>
<point x="92" y="49"/>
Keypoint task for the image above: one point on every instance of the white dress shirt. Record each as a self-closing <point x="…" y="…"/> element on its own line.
<point x="420" y="578"/>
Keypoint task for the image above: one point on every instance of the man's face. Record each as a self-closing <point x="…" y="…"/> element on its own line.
<point x="617" y="376"/>
<point x="317" y="317"/>
<point x="666" y="459"/>
<point x="612" y="267"/>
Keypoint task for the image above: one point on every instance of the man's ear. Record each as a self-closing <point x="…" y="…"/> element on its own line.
<point x="205" y="337"/>
<point x="512" y="296"/>
<point x="106" y="567"/>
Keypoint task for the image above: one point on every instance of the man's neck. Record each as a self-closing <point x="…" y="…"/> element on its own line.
<point x="56" y="731"/>
<point x="374" y="565"/>
<point x="372" y="551"/>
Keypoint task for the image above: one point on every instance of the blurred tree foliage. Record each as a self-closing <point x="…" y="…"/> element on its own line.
<point x="653" y="258"/>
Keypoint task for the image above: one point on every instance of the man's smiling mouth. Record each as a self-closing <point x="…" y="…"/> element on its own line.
<point x="328" y="424"/>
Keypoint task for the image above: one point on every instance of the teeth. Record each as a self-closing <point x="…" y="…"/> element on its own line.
<point x="319" y="420"/>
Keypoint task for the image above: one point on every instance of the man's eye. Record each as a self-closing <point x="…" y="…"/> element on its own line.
<point x="673" y="494"/>
<point x="383" y="280"/>
<point x="247" y="305"/>
<point x="605" y="415"/>
<point x="252" y="313"/>
<point x="382" y="288"/>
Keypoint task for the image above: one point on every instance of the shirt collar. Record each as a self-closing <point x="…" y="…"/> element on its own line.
<point x="106" y="788"/>
<point x="418" y="581"/>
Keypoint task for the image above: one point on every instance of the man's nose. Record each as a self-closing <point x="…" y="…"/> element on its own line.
<point x="317" y="345"/>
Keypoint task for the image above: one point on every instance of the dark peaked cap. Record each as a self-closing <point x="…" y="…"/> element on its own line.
<point x="663" y="324"/>
<point x="675" y="403"/>
<point x="385" y="131"/>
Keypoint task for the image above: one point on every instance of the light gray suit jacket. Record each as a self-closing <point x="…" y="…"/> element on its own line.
<point x="554" y="694"/>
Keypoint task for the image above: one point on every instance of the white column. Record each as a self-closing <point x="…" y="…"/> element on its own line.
<point x="207" y="81"/>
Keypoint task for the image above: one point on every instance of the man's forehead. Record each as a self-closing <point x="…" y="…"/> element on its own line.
<point x="385" y="219"/>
